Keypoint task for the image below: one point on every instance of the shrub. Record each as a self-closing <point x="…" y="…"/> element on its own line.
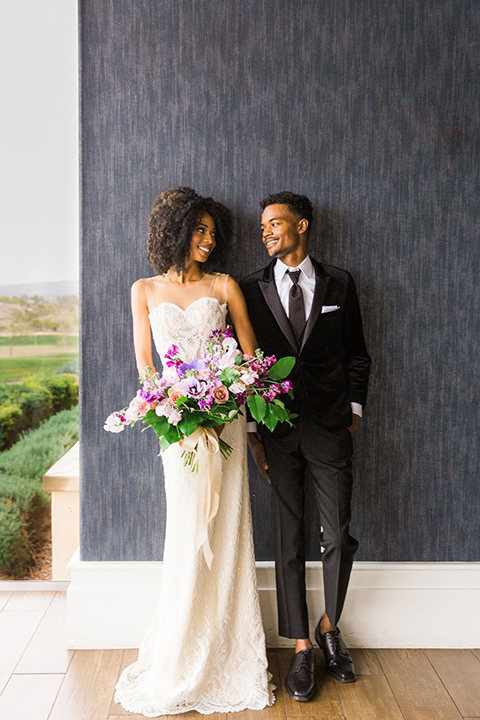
<point x="23" y="503"/>
<point x="63" y="391"/>
<point x="10" y="423"/>
<point x="37" y="398"/>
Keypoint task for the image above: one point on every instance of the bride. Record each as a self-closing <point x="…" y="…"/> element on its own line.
<point x="205" y="647"/>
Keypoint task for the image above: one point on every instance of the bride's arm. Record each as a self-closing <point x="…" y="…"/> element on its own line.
<point x="142" y="339"/>
<point x="237" y="308"/>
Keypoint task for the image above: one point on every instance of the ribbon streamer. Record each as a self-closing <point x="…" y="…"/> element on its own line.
<point x="205" y="441"/>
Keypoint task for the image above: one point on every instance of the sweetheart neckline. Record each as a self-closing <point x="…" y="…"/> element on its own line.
<point x="203" y="297"/>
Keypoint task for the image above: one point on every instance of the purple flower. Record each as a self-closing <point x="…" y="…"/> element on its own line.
<point x="192" y="365"/>
<point x="172" y="356"/>
<point x="286" y="386"/>
<point x="149" y="395"/>
<point x="242" y="398"/>
<point x="193" y="387"/>
<point x="205" y="403"/>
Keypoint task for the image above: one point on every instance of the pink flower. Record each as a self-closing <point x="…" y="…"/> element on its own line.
<point x="268" y="396"/>
<point x="175" y="392"/>
<point x="220" y="394"/>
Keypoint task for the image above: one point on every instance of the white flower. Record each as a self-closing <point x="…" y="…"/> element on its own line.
<point x="162" y="410"/>
<point x="237" y="387"/>
<point x="230" y="348"/>
<point x="169" y="411"/>
<point x="170" y="376"/>
<point x="113" y="423"/>
<point x="174" y="417"/>
<point x="248" y="377"/>
<point x="230" y="344"/>
<point x="132" y="414"/>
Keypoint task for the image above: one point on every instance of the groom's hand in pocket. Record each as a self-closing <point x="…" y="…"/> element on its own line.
<point x="258" y="453"/>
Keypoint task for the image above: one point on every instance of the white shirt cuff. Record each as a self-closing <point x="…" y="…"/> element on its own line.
<point x="357" y="409"/>
<point x="252" y="426"/>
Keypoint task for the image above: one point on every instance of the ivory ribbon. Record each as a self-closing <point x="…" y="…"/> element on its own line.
<point x="205" y="441"/>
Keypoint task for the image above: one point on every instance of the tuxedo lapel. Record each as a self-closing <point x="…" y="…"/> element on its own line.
<point x="269" y="291"/>
<point x="321" y="284"/>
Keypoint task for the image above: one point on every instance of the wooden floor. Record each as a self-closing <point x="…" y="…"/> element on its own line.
<point x="41" y="680"/>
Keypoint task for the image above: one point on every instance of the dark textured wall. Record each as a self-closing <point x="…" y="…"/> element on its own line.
<point x="372" y="109"/>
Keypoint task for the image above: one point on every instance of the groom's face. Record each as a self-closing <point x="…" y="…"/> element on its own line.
<point x="282" y="231"/>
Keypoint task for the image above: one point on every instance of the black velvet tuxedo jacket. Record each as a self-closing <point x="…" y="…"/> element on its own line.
<point x="332" y="365"/>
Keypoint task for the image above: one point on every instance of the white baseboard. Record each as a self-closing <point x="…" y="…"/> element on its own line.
<point x="414" y="605"/>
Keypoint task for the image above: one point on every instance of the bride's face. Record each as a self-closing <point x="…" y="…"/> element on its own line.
<point x="203" y="242"/>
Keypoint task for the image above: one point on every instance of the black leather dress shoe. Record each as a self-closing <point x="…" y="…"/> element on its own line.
<point x="300" y="681"/>
<point x="339" y="662"/>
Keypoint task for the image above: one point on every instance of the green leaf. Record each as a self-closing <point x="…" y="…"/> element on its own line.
<point x="151" y="417"/>
<point x="279" y="411"/>
<point x="257" y="406"/>
<point x="229" y="376"/>
<point x="270" y="419"/>
<point x="281" y="369"/>
<point x="184" y="401"/>
<point x="159" y="423"/>
<point x="190" y="422"/>
<point x="238" y="359"/>
<point x="164" y="444"/>
<point x="213" y="422"/>
<point x="173" y="435"/>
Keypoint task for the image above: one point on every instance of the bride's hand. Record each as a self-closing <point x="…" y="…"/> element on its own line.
<point x="219" y="429"/>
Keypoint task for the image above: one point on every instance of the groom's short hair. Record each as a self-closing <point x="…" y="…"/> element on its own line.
<point x="298" y="204"/>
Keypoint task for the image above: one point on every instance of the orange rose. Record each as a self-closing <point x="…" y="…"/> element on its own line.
<point x="220" y="394"/>
<point x="174" y="393"/>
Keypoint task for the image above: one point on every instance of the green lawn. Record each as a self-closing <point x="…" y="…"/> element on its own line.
<point x="69" y="340"/>
<point x="18" y="368"/>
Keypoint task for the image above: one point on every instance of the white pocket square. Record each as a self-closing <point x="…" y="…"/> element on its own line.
<point x="330" y="308"/>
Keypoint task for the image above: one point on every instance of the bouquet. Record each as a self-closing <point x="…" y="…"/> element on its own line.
<point x="190" y="399"/>
<point x="208" y="391"/>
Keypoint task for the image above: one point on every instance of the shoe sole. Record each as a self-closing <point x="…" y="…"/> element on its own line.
<point x="340" y="679"/>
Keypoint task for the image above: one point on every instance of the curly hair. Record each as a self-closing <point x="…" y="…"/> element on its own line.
<point x="298" y="204"/>
<point x="172" y="222"/>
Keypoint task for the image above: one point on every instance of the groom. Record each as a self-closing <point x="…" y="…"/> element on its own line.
<point x="303" y="308"/>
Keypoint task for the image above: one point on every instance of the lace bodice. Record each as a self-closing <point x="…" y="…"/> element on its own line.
<point x="186" y="316"/>
<point x="186" y="328"/>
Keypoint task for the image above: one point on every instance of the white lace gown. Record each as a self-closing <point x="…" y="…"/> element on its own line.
<point x="205" y="647"/>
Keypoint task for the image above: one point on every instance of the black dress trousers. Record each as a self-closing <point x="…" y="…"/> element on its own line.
<point x="310" y="453"/>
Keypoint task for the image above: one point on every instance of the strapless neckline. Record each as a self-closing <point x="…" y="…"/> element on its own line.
<point x="185" y="310"/>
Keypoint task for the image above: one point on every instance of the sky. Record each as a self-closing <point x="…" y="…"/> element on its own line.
<point x="38" y="141"/>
